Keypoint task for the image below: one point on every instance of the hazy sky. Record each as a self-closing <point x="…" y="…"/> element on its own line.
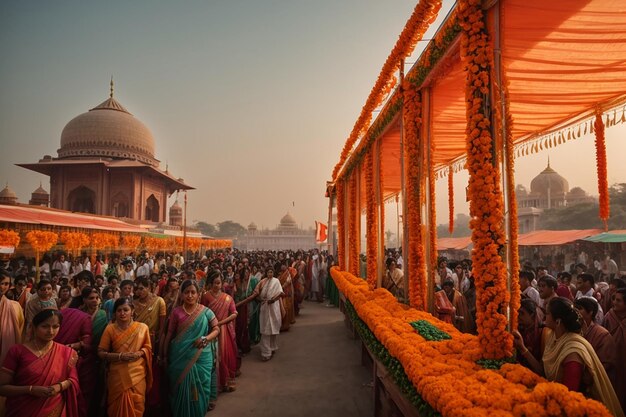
<point x="249" y="101"/>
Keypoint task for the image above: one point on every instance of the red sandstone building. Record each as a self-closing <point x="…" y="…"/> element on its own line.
<point x="106" y="166"/>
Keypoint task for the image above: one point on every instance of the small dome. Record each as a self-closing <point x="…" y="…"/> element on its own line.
<point x="288" y="220"/>
<point x="40" y="191"/>
<point x="252" y="226"/>
<point x="108" y="130"/>
<point x="8" y="193"/>
<point x="549" y="179"/>
<point x="577" y="192"/>
<point x="176" y="208"/>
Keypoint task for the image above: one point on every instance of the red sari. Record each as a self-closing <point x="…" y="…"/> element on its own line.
<point x="76" y="327"/>
<point x="223" y="306"/>
<point x="58" y="364"/>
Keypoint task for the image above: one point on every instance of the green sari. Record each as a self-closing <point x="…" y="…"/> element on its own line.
<point x="254" y="325"/>
<point x="98" y="324"/>
<point x="190" y="369"/>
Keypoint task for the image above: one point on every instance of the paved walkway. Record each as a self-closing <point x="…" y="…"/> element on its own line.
<point x="316" y="372"/>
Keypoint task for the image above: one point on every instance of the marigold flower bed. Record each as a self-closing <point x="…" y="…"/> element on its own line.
<point x="446" y="374"/>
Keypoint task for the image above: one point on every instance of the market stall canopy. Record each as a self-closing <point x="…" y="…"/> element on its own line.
<point x="614" y="236"/>
<point x="456" y="243"/>
<point x="554" y="237"/>
<point x="53" y="217"/>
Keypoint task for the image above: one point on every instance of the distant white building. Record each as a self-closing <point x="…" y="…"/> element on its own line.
<point x="548" y="190"/>
<point x="287" y="235"/>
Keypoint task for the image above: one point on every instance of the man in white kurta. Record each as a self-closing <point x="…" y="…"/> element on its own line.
<point x="270" y="314"/>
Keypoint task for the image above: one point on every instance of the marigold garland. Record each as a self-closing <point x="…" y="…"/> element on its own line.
<point x="432" y="212"/>
<point x="131" y="241"/>
<point x="353" y="218"/>
<point x="414" y="254"/>
<point x="445" y="372"/>
<point x="450" y="199"/>
<point x="424" y="14"/>
<point x="9" y="238"/>
<point x="372" y="220"/>
<point x="515" y="300"/>
<point x="74" y="241"/>
<point x="601" y="164"/>
<point x="341" y="223"/>
<point x="486" y="208"/>
<point x="41" y="240"/>
<point x="104" y="240"/>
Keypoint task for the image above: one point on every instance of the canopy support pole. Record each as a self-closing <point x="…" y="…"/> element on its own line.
<point x="425" y="192"/>
<point x="380" y="250"/>
<point x="505" y="152"/>
<point x="405" y="234"/>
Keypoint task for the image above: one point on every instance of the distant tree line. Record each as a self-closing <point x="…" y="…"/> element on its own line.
<point x="227" y="228"/>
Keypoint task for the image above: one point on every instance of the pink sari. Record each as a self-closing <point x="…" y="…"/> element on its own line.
<point x="76" y="327"/>
<point x="223" y="306"/>
<point x="58" y="364"/>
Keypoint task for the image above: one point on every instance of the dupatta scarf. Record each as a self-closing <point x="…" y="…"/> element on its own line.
<point x="190" y="369"/>
<point x="58" y="364"/>
<point x="223" y="306"/>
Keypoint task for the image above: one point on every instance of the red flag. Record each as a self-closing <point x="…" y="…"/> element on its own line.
<point x="321" y="232"/>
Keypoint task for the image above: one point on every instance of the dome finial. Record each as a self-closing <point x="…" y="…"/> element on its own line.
<point x="548" y="161"/>
<point x="111" y="84"/>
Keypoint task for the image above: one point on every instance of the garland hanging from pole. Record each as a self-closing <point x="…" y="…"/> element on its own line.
<point x="423" y="16"/>
<point x="341" y="225"/>
<point x="415" y="262"/>
<point x="603" y="183"/>
<point x="451" y="199"/>
<point x="372" y="220"/>
<point x="432" y="213"/>
<point x="353" y="218"/>
<point x="486" y="208"/>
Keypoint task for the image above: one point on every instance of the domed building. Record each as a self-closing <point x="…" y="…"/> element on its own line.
<point x="39" y="197"/>
<point x="286" y="235"/>
<point x="548" y="190"/>
<point x="8" y="196"/>
<point x="106" y="165"/>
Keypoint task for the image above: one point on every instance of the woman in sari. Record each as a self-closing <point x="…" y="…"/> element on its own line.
<point x="568" y="358"/>
<point x="289" y="316"/>
<point x="245" y="287"/>
<point x="224" y="308"/>
<point x="91" y="306"/>
<point x="76" y="334"/>
<point x="11" y="323"/>
<point x="42" y="301"/>
<point x="254" y="327"/>
<point x="39" y="378"/>
<point x="191" y="364"/>
<point x="269" y="291"/>
<point x="150" y="309"/>
<point x="125" y="344"/>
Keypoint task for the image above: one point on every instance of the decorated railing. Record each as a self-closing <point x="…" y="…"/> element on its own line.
<point x="442" y="371"/>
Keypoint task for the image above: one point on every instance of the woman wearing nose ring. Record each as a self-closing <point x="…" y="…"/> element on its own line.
<point x="125" y="344"/>
<point x="39" y="377"/>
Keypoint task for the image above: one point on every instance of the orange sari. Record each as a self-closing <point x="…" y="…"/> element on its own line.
<point x="128" y="382"/>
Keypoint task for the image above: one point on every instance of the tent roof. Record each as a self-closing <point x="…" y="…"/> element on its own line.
<point x="53" y="217"/>
<point x="459" y="243"/>
<point x="554" y="237"/>
<point x="614" y="236"/>
<point x="563" y="60"/>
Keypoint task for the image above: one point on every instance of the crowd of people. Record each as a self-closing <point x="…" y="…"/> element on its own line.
<point x="572" y="326"/>
<point x="146" y="334"/>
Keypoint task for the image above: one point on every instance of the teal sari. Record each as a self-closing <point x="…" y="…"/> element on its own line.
<point x="98" y="324"/>
<point x="254" y="324"/>
<point x="191" y="369"/>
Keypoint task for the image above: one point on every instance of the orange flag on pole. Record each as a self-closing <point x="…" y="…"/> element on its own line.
<point x="321" y="232"/>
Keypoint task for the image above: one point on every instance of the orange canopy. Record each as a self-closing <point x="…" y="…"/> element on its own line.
<point x="459" y="243"/>
<point x="563" y="60"/>
<point x="554" y="237"/>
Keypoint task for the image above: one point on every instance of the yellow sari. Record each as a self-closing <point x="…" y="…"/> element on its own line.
<point x="128" y="382"/>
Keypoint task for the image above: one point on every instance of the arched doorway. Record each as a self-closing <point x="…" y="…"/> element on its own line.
<point x="82" y="199"/>
<point x="152" y="209"/>
<point x="119" y="205"/>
